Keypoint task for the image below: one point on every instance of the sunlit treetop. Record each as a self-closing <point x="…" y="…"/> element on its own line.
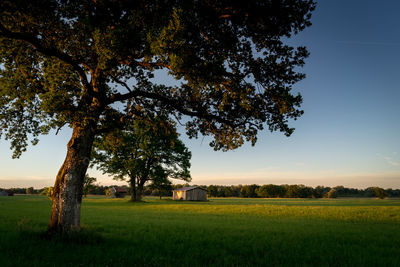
<point x="71" y="62"/>
<point x="145" y="150"/>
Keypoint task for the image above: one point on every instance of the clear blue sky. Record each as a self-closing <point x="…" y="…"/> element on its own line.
<point x="349" y="134"/>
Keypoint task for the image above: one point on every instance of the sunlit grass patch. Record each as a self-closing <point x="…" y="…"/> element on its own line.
<point x="347" y="213"/>
<point x="231" y="232"/>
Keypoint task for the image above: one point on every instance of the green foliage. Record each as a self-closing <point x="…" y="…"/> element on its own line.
<point x="147" y="150"/>
<point x="249" y="190"/>
<point x="298" y="190"/>
<point x="48" y="192"/>
<point x="271" y="191"/>
<point x="61" y="62"/>
<point x="321" y="191"/>
<point x="332" y="193"/>
<point x="88" y="183"/>
<point x="30" y="191"/>
<point x="230" y="191"/>
<point x="380" y="192"/>
<point x="212" y="191"/>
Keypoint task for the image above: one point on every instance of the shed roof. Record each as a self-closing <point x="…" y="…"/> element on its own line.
<point x="187" y="188"/>
<point x="120" y="189"/>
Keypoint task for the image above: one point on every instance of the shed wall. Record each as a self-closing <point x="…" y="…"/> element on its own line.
<point x="194" y="194"/>
<point x="179" y="195"/>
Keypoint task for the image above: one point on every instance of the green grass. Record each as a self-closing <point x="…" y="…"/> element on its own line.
<point x="220" y="232"/>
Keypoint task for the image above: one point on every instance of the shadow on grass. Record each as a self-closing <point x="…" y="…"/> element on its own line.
<point x="83" y="237"/>
<point x="27" y="230"/>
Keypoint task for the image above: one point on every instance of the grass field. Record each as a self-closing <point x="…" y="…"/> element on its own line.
<point x="220" y="232"/>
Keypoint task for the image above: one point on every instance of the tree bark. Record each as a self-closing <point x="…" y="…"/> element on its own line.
<point x="139" y="191"/>
<point x="139" y="194"/>
<point x="68" y="188"/>
<point x="136" y="195"/>
<point x="133" y="189"/>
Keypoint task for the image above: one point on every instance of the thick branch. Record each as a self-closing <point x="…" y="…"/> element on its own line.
<point x="174" y="103"/>
<point x="145" y="64"/>
<point x="48" y="51"/>
<point x="151" y="65"/>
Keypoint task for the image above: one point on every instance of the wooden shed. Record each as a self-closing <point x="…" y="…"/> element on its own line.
<point x="190" y="193"/>
<point x="118" y="192"/>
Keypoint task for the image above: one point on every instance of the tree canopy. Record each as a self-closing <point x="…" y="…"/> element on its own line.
<point x="235" y="72"/>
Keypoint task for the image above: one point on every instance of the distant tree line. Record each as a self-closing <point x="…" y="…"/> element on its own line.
<point x="297" y="191"/>
<point x="245" y="191"/>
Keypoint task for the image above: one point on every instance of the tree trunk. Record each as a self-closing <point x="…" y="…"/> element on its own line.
<point x="133" y="189"/>
<point x="68" y="188"/>
<point x="137" y="189"/>
<point x="139" y="193"/>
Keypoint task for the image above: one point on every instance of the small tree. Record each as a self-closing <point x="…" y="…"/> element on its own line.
<point x="332" y="193"/>
<point x="380" y="192"/>
<point x="147" y="150"/>
<point x="88" y="183"/>
<point x="30" y="191"/>
<point x="321" y="191"/>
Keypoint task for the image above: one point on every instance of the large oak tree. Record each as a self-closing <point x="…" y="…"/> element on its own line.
<point x="89" y="65"/>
